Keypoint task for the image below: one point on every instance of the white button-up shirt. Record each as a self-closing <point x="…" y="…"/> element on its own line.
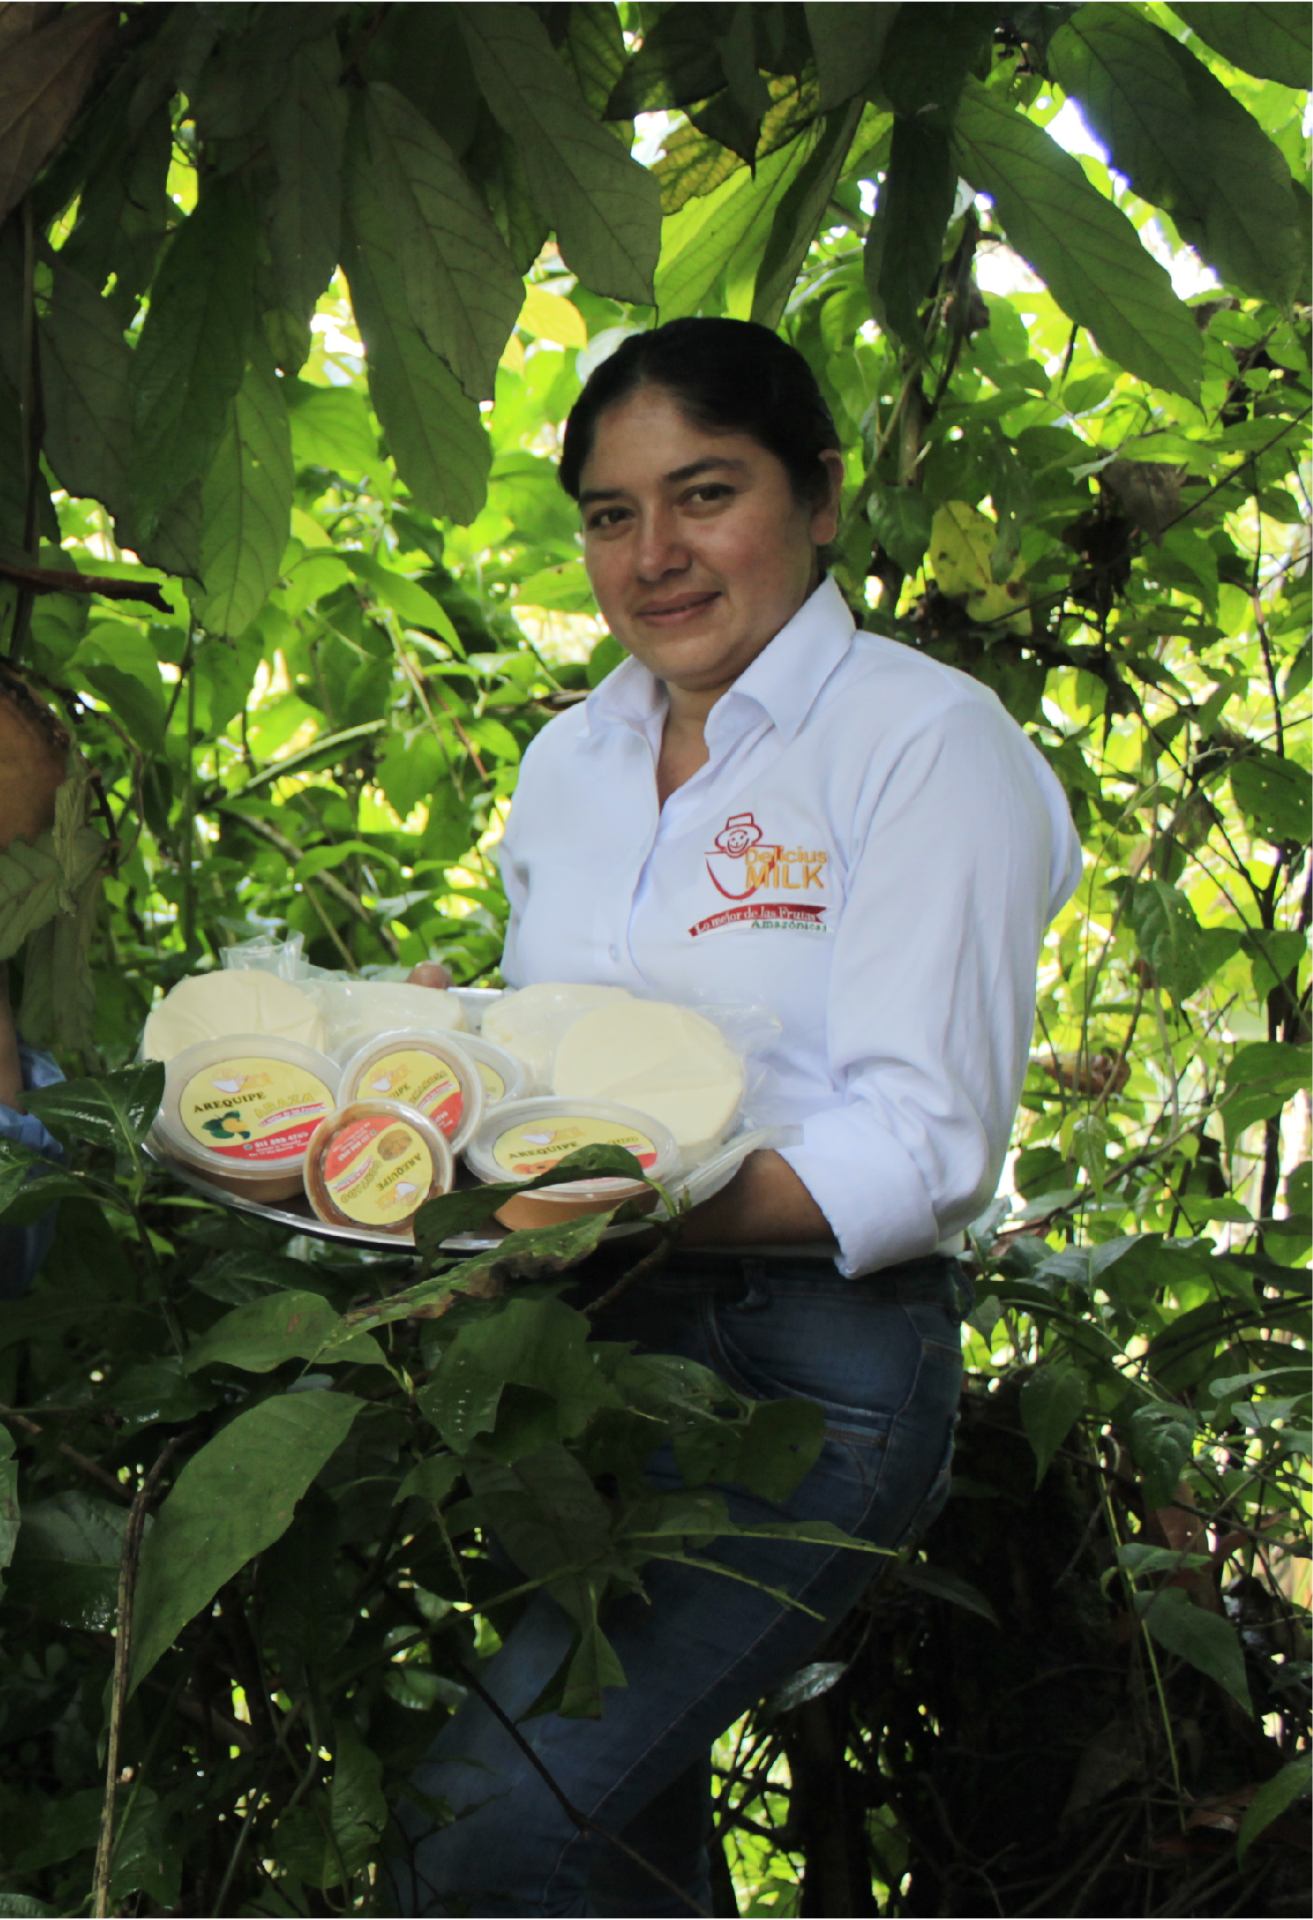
<point x="871" y="854"/>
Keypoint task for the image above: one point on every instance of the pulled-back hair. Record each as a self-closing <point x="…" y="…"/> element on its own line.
<point x="731" y="376"/>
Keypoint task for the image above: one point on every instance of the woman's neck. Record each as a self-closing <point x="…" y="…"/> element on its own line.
<point x="683" y="742"/>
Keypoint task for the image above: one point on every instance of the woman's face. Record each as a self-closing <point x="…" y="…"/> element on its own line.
<point x="696" y="546"/>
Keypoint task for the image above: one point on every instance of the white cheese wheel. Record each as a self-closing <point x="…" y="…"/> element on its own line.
<point x="210" y="1006"/>
<point x="529" y="1021"/>
<point x="355" y="1010"/>
<point x="663" y="1060"/>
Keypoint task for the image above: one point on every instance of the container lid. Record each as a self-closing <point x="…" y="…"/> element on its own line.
<point x="373" y="1163"/>
<point x="427" y="1071"/>
<point x="503" y="1076"/>
<point x="521" y="1138"/>
<point x="246" y="1105"/>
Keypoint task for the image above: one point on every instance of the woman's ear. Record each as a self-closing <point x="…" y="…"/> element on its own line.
<point x="825" y="519"/>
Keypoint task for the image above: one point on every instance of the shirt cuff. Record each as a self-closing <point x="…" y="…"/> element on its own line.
<point x="875" y="1200"/>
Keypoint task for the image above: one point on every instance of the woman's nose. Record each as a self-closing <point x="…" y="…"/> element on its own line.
<point x="660" y="549"/>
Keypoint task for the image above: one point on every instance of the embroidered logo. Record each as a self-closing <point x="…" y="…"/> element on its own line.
<point x="745" y="865"/>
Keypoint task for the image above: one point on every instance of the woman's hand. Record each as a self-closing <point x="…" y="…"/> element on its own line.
<point x="765" y="1204"/>
<point x="429" y="973"/>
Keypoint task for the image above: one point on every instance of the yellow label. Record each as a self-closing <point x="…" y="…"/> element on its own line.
<point x="493" y="1084"/>
<point x="253" y="1109"/>
<point x="377" y="1170"/>
<point x="418" y="1078"/>
<point x="534" y="1146"/>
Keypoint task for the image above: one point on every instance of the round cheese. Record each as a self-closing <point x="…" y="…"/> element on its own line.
<point x="210" y="1006"/>
<point x="529" y="1021"/>
<point x="355" y="1010"/>
<point x="663" y="1060"/>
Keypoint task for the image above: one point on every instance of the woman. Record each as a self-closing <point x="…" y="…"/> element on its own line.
<point x="760" y="805"/>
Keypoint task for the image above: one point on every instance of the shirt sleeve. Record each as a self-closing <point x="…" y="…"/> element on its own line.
<point x="22" y="1249"/>
<point x="968" y="853"/>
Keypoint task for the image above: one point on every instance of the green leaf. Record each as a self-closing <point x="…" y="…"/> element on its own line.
<point x="247" y="506"/>
<point x="44" y="77"/>
<point x="943" y="1584"/>
<point x="415" y="604"/>
<point x="1052" y="1400"/>
<point x="1083" y="248"/>
<point x="1273" y="794"/>
<point x="900" y="518"/>
<point x="540" y="1344"/>
<point x="117" y="1110"/>
<point x="802" y="211"/>
<point x="706" y="236"/>
<point x="86" y="372"/>
<point x="778" y="1446"/>
<point x="116" y="659"/>
<point x="1205" y="1640"/>
<point x="262" y="1334"/>
<point x="306" y="131"/>
<point x="1182" y="954"/>
<point x="606" y="209"/>
<point x="1162" y="1445"/>
<point x="460" y="286"/>
<point x="1259" y="1081"/>
<point x="191" y="357"/>
<point x="1185" y="143"/>
<point x="1288" y="1784"/>
<point x="66" y="1560"/>
<point x="676" y="65"/>
<point x="905" y="240"/>
<point x="1271" y="40"/>
<point x="847" y="42"/>
<point x="433" y="428"/>
<point x="8" y="1499"/>
<point x="231" y="1500"/>
<point x="35" y="885"/>
<point x="331" y="427"/>
<point x="594" y="1665"/>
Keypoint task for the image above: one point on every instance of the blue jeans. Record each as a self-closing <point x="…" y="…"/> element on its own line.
<point x="882" y="1356"/>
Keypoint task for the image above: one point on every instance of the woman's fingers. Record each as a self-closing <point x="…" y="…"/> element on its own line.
<point x="429" y="973"/>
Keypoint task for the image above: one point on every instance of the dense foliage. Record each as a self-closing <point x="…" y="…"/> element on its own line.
<point x="292" y="302"/>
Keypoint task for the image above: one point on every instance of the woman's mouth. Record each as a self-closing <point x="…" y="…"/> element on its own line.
<point x="679" y="608"/>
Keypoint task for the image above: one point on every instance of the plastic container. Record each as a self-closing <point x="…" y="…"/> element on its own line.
<point x="521" y="1138"/>
<point x="240" y="1111"/>
<point x="427" y="1071"/>
<point x="373" y="1164"/>
<point x="503" y="1076"/>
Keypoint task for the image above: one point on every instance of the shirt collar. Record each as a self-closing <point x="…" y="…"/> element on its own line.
<point x="783" y="680"/>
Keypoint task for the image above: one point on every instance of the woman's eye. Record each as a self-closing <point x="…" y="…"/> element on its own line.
<point x="710" y="493"/>
<point x="604" y="519"/>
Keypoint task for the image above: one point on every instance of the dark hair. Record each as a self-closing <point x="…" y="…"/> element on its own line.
<point x="732" y="376"/>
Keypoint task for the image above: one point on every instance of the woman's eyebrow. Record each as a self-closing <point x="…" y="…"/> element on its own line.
<point x="676" y="477"/>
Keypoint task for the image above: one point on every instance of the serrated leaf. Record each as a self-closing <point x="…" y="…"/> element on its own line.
<point x="44" y="78"/>
<point x="1270" y="40"/>
<point x="1206" y="1641"/>
<point x="606" y="209"/>
<point x="1084" y="249"/>
<point x="1186" y="144"/>
<point x="191" y="357"/>
<point x="247" y="506"/>
<point x="1052" y="1400"/>
<point x="412" y="201"/>
<point x="1273" y="794"/>
<point x="231" y="1500"/>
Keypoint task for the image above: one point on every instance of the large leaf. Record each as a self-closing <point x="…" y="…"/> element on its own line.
<point x="116" y="659"/>
<point x="906" y="237"/>
<point x="433" y="427"/>
<point x="801" y="213"/>
<point x="247" y="505"/>
<point x="8" y="1500"/>
<point x="1206" y="1640"/>
<point x="233" y="1499"/>
<point x="66" y="1561"/>
<point x="539" y="1344"/>
<point x="1052" y="1401"/>
<point x="411" y="198"/>
<point x="191" y="357"/>
<point x="1273" y="794"/>
<point x="847" y="42"/>
<point x="261" y="1334"/>
<point x="43" y="81"/>
<point x="1288" y="1784"/>
<point x="1265" y="37"/>
<point x="706" y="235"/>
<point x="86" y="371"/>
<point x="117" y="1110"/>
<point x="1184" y="142"/>
<point x="306" y="130"/>
<point x="1259" y="1081"/>
<point x="605" y="208"/>
<point x="1181" y="953"/>
<point x="1084" y="248"/>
